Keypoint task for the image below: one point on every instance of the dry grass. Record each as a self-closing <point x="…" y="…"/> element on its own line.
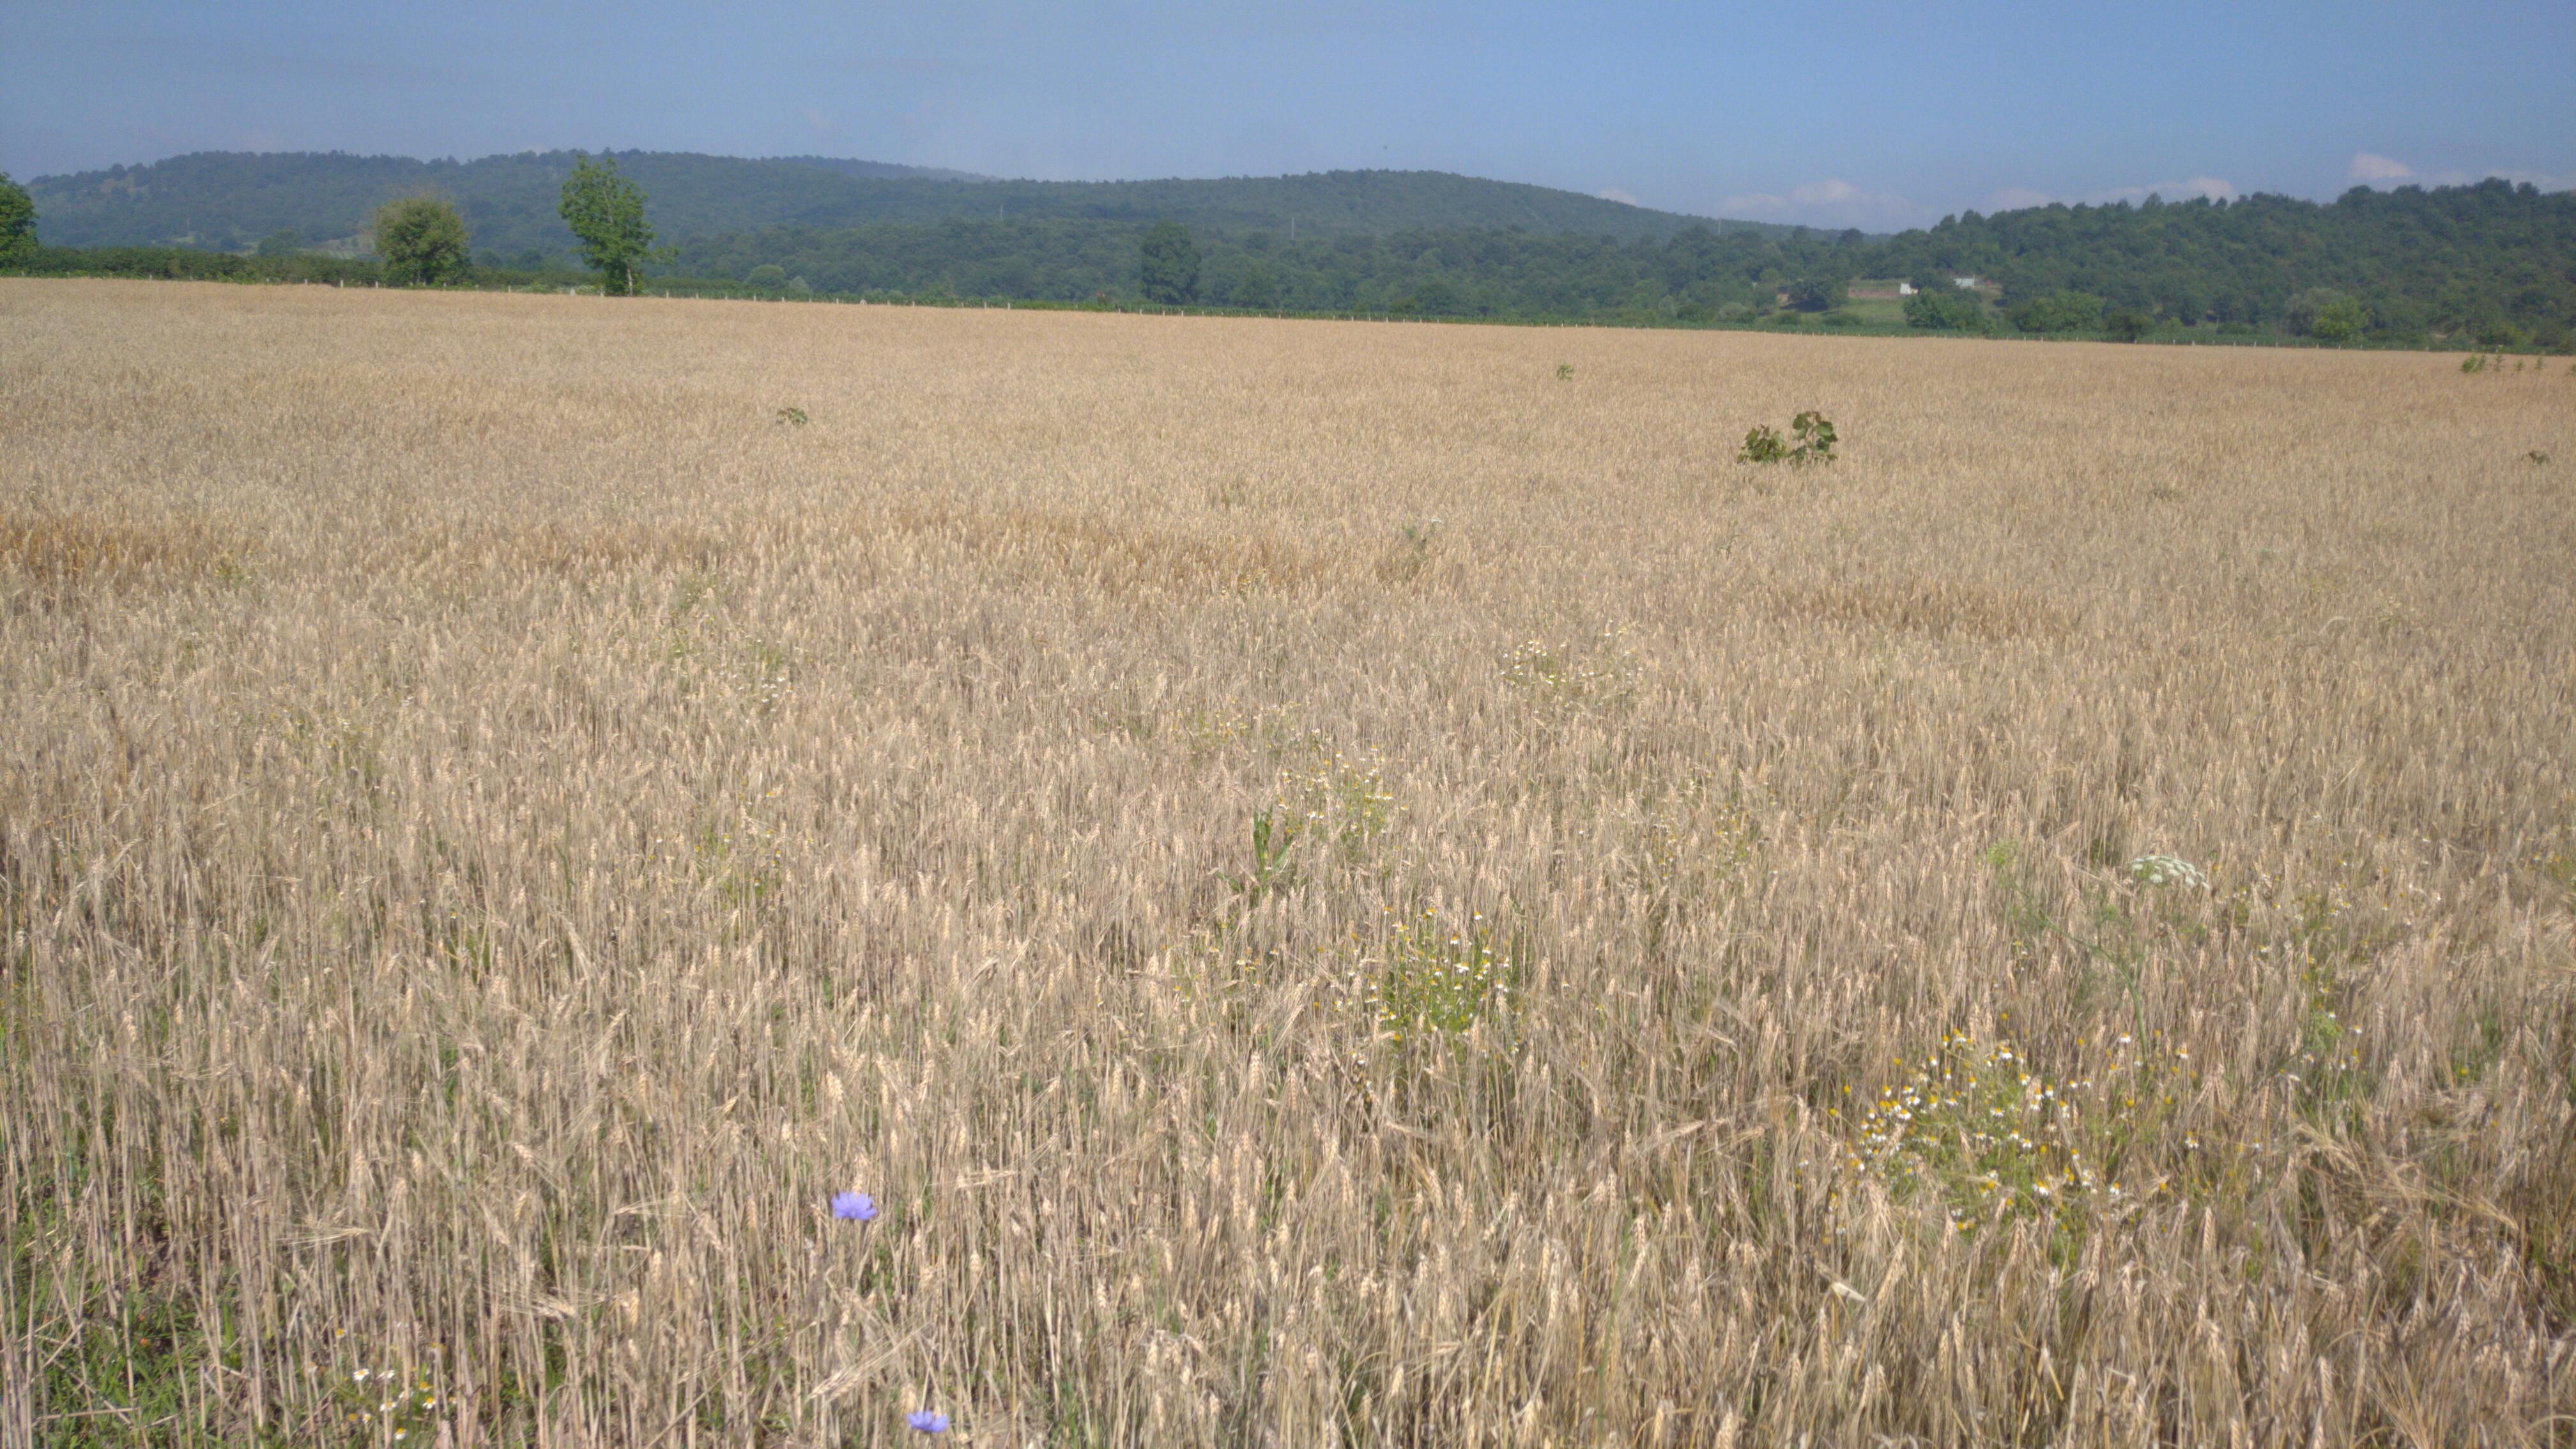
<point x="495" y="828"/>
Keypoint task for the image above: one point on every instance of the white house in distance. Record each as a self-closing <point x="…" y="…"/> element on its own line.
<point x="1906" y="289"/>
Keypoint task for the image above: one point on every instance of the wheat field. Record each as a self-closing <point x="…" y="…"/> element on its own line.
<point x="1332" y="883"/>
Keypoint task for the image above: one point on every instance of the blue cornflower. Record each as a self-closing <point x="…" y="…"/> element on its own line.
<point x="928" y="1421"/>
<point x="855" y="1206"/>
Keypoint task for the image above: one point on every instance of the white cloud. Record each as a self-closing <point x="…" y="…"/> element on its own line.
<point x="2019" y="198"/>
<point x="818" y="123"/>
<point x="1831" y="202"/>
<point x="1613" y="193"/>
<point x="2370" y="170"/>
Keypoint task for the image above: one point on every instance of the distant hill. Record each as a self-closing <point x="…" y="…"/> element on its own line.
<point x="2493" y="261"/>
<point x="884" y="170"/>
<point x="231" y="200"/>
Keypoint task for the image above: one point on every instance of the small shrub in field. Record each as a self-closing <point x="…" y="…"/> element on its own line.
<point x="792" y="418"/>
<point x="1565" y="372"/>
<point x="1815" y="442"/>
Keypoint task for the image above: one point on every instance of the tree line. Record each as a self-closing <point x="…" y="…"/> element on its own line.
<point x="2494" y="263"/>
<point x="232" y="201"/>
<point x="419" y="241"/>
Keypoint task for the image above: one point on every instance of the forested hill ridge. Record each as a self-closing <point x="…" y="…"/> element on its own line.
<point x="232" y="201"/>
<point x="2454" y="258"/>
<point x="2493" y="263"/>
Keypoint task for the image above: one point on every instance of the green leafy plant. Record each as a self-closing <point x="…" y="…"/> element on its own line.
<point x="1348" y="804"/>
<point x="1814" y="294"/>
<point x="792" y="417"/>
<point x="1815" y="442"/>
<point x="2127" y="324"/>
<point x="606" y="211"/>
<point x="421" y="240"/>
<point x="388" y="1406"/>
<point x="1565" y="372"/>
<point x="1994" y="1137"/>
<point x="1945" y="308"/>
<point x="1274" y="834"/>
<point x="2341" y="321"/>
<point x="17" y="222"/>
<point x="1420" y="977"/>
<point x="1169" y="264"/>
<point x="2474" y="362"/>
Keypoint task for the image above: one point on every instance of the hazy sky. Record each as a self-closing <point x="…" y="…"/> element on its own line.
<point x="1876" y="115"/>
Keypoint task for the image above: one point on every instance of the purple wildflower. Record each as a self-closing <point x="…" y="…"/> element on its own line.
<point x="854" y="1206"/>
<point x="928" y="1421"/>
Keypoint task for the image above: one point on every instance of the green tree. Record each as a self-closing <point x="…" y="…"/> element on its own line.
<point x="1815" y="294"/>
<point x="767" y="274"/>
<point x="2300" y="313"/>
<point x="1438" y="298"/>
<point x="1255" y="288"/>
<point x="1171" y="264"/>
<point x="2341" y="321"/>
<point x="2058" y="312"/>
<point x="280" y="244"/>
<point x="17" y="222"/>
<point x="420" y="240"/>
<point x="2128" y="324"/>
<point x="1945" y="309"/>
<point x="606" y="211"/>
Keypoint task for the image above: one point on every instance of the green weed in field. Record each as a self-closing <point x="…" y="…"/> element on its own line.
<point x="1815" y="435"/>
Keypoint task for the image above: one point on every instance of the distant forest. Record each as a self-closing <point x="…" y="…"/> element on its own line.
<point x="2494" y="263"/>
<point x="233" y="201"/>
<point x="2491" y="258"/>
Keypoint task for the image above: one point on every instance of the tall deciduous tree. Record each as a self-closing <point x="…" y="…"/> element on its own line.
<point x="1171" y="264"/>
<point x="1945" y="308"/>
<point x="606" y="211"/>
<point x="2341" y="321"/>
<point x="17" y="222"/>
<point x="420" y="239"/>
<point x="1816" y="294"/>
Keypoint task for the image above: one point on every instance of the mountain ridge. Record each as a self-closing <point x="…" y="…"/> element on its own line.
<point x="227" y="200"/>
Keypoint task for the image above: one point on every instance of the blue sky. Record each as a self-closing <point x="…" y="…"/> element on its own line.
<point x="1875" y="115"/>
